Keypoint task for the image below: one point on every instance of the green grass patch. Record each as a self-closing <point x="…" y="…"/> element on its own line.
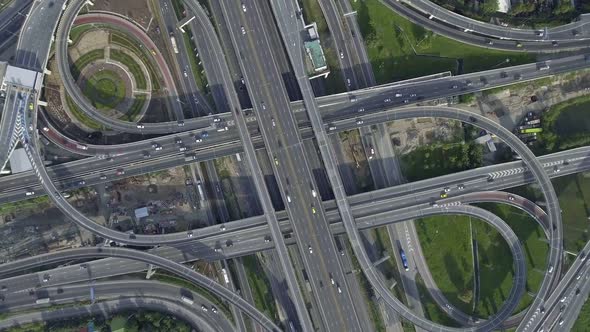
<point x="78" y="31"/>
<point x="446" y="245"/>
<point x="178" y="9"/>
<point x="104" y="89"/>
<point x="81" y="116"/>
<point x="535" y="248"/>
<point x="84" y="61"/>
<point x="32" y="203"/>
<point x="133" y="66"/>
<point x="433" y="160"/>
<point x="399" y="49"/>
<point x="431" y="310"/>
<point x="135" y="109"/>
<point x="131" y="44"/>
<point x="263" y="299"/>
<point x="196" y="68"/>
<point x="566" y="125"/>
<point x="573" y="192"/>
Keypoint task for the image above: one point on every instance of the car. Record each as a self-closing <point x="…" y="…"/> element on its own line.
<point x="243" y="30"/>
<point x="454" y="86"/>
<point x="3" y="288"/>
<point x="468" y="83"/>
<point x="359" y="122"/>
<point x="332" y="128"/>
<point x="341" y="55"/>
<point x="331" y="279"/>
<point x="213" y="309"/>
<point x="313" y="210"/>
<point x="81" y="182"/>
<point x="31" y="106"/>
<point x="348" y="83"/>
<point x="519" y="44"/>
<point x="267" y="239"/>
<point x="120" y="172"/>
<point x="406" y="101"/>
<point x="217" y="250"/>
<point x="276" y="161"/>
<point x="244" y="7"/>
<point x="182" y="148"/>
<point x="338" y="288"/>
<point x="198" y="139"/>
<point x="556" y="169"/>
<point x="554" y="43"/>
<point x="158" y="148"/>
<point x="443" y="195"/>
<point x="178" y="140"/>
<point x="29" y="193"/>
<point x="510" y="198"/>
<point x="387" y="100"/>
<point x="263" y="106"/>
<point x="579" y="276"/>
<point x="412" y="95"/>
<point x="447" y="189"/>
<point x="273" y="122"/>
<point x="563" y="299"/>
<point x="103" y="177"/>
<point x="216" y="120"/>
<point x="185" y="74"/>
<point x="561" y="322"/>
<point x="550" y="269"/>
<point x="155" y="145"/>
<point x="46" y="277"/>
<point x="582" y="256"/>
<point x="489" y="42"/>
<point x="314" y="193"/>
<point x="361" y="110"/>
<point x="288" y="198"/>
<point x="204" y="134"/>
<point x="189" y="234"/>
<point x="461" y="186"/>
<point x="309" y="248"/>
<point x="146" y="155"/>
<point x="577" y="291"/>
<point x="542" y="310"/>
<point x="180" y="123"/>
<point x="203" y="308"/>
<point x="45" y="129"/>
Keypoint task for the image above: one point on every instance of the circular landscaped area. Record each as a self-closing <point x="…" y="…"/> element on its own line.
<point x="105" y="89"/>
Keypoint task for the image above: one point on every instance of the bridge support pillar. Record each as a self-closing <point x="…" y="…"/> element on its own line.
<point x="90" y="3"/>
<point x="46" y="71"/>
<point x="70" y="42"/>
<point x="150" y="272"/>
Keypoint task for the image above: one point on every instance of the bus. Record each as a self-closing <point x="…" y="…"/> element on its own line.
<point x="404" y="259"/>
<point x="42" y="301"/>
<point x="531" y="130"/>
<point x="225" y="277"/>
<point x="173" y="41"/>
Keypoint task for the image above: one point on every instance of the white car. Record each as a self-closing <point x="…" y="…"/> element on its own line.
<point x="244" y="7"/>
<point x="314" y="193"/>
<point x="204" y="308"/>
<point x="331" y="279"/>
<point x="339" y="290"/>
<point x="243" y="31"/>
<point x="359" y="121"/>
<point x="185" y="74"/>
<point x="288" y="198"/>
<point x="310" y="250"/>
<point x="182" y="148"/>
<point x="273" y="122"/>
<point x="29" y="193"/>
<point x="45" y="129"/>
<point x="341" y="55"/>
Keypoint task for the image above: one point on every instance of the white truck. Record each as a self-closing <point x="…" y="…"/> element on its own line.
<point x="187" y="300"/>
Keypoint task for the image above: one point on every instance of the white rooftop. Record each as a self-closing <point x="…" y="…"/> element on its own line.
<point x="22" y="77"/>
<point x="141" y="212"/>
<point x="19" y="162"/>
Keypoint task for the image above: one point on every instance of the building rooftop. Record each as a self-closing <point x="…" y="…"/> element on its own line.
<point x="21" y="77"/>
<point x="141" y="212"/>
<point x="316" y="54"/>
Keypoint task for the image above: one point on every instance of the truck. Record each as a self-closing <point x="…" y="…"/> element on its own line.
<point x="225" y="276"/>
<point x="173" y="41"/>
<point x="534" y="122"/>
<point x="187" y="300"/>
<point x="42" y="301"/>
<point x="531" y="130"/>
<point x="404" y="259"/>
<point x="81" y="147"/>
<point x="190" y="157"/>
<point x="200" y="189"/>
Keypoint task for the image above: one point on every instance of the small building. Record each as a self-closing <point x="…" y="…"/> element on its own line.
<point x="486" y="140"/>
<point x="19" y="162"/>
<point x="141" y="212"/>
<point x="314" y="50"/>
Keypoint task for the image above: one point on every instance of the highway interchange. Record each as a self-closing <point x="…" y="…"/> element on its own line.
<point x="338" y="112"/>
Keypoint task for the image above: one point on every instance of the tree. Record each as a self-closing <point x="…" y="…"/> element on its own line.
<point x="564" y="7"/>
<point x="490" y="6"/>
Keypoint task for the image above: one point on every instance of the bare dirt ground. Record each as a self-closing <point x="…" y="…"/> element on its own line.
<point x="136" y="10"/>
<point x="236" y="186"/>
<point x="42" y="228"/>
<point x="507" y="106"/>
<point x="165" y="194"/>
<point x="408" y="134"/>
<point x="354" y="155"/>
